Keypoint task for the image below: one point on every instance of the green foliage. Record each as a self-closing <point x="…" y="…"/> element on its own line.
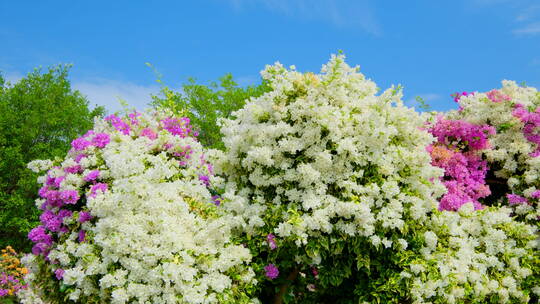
<point x="39" y="116"/>
<point x="422" y="103"/>
<point x="206" y="104"/>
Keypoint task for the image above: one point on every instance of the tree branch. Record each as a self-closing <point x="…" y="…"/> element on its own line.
<point x="278" y="299"/>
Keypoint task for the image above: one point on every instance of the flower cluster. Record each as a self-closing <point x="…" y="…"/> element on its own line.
<point x="11" y="273"/>
<point x="474" y="256"/>
<point x="513" y="154"/>
<point x="306" y="149"/>
<point x="327" y="161"/>
<point x="458" y="134"/>
<point x="456" y="151"/>
<point x="497" y="96"/>
<point x="458" y="95"/>
<point x="531" y="128"/>
<point x="130" y="216"/>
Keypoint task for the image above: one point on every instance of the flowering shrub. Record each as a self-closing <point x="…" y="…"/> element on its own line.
<point x="325" y="193"/>
<point x="130" y="215"/>
<point x="512" y="158"/>
<point x="334" y="170"/>
<point x="11" y="274"/>
<point x="342" y="198"/>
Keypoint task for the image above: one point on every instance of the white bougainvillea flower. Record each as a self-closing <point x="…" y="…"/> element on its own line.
<point x="322" y="154"/>
<point x="130" y="217"/>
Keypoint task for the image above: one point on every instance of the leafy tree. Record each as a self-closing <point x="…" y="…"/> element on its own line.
<point x="39" y="116"/>
<point x="206" y="104"/>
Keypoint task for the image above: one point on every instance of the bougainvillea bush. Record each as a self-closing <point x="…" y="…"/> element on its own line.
<point x="349" y="197"/>
<point x="338" y="171"/>
<point x="489" y="151"/>
<point x="327" y="191"/>
<point x="130" y="215"/>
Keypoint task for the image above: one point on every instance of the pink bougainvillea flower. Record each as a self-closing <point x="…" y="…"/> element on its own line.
<point x="59" y="273"/>
<point x="178" y="126"/>
<point x="80" y="144"/>
<point x="270" y="238"/>
<point x="118" y="124"/>
<point x="456" y="151"/>
<point x="133" y="118"/>
<point x="82" y="236"/>
<point x="531" y="128"/>
<point x="101" y="140"/>
<point x="272" y="271"/>
<point x="92" y="176"/>
<point x="458" y="95"/>
<point x="149" y="133"/>
<point x="84" y="216"/>
<point x="101" y="187"/>
<point x="79" y="157"/>
<point x="514" y="199"/>
<point x="216" y="200"/>
<point x="205" y="179"/>
<point x="69" y="196"/>
<point x="497" y="96"/>
<point x="73" y="169"/>
<point x="315" y="271"/>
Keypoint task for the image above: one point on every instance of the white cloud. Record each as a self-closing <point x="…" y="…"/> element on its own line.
<point x="430" y="96"/>
<point x="108" y="93"/>
<point x="340" y="13"/>
<point x="528" y="13"/>
<point x="524" y="12"/>
<point x="530" y="29"/>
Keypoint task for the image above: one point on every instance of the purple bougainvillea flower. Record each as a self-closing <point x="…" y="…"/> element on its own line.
<point x="118" y="124"/>
<point x="216" y="200"/>
<point x="97" y="187"/>
<point x="82" y="236"/>
<point x="101" y="140"/>
<point x="80" y="144"/>
<point x="149" y="133"/>
<point x="84" y="216"/>
<point x="59" y="273"/>
<point x="272" y="271"/>
<point x="270" y="238"/>
<point x="92" y="176"/>
<point x="514" y="199"/>
<point x="69" y="196"/>
<point x="205" y="179"/>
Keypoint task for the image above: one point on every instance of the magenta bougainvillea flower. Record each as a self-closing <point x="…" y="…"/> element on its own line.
<point x="272" y="271"/>
<point x="456" y="151"/>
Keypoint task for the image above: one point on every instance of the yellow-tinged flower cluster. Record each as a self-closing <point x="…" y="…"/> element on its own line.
<point x="11" y="272"/>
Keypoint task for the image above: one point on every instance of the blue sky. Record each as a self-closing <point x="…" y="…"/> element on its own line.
<point x="432" y="48"/>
